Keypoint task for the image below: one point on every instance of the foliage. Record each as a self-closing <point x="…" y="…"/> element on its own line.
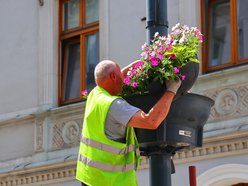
<point x="163" y="58"/>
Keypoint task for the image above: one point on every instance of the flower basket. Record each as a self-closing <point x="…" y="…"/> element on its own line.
<point x="165" y="58"/>
<point x="168" y="57"/>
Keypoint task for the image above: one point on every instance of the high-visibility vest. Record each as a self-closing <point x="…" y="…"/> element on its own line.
<point x="102" y="161"/>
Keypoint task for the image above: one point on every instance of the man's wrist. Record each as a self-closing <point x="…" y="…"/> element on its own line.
<point x="170" y="91"/>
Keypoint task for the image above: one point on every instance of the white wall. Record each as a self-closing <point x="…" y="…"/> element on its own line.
<point x="18" y="55"/>
<point x="28" y="57"/>
<point x="121" y="30"/>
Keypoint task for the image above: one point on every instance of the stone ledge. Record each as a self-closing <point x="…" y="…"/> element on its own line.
<point x="53" y="173"/>
<point x="231" y="144"/>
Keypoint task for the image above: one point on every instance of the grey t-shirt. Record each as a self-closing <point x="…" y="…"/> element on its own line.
<point x="119" y="114"/>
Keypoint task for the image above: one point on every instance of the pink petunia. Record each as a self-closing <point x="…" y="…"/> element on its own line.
<point x="160" y="56"/>
<point x="84" y="92"/>
<point x="134" y="84"/>
<point x="176" y="70"/>
<point x="148" y="51"/>
<point x="154" y="62"/>
<point x="200" y="37"/>
<point x="168" y="49"/>
<point x="183" y="77"/>
<point x="126" y="80"/>
<point x="134" y="70"/>
<point x="137" y="65"/>
<point x="161" y="49"/>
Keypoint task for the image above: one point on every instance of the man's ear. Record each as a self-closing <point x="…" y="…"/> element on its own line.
<point x="113" y="75"/>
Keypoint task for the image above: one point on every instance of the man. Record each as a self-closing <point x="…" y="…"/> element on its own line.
<point x="108" y="153"/>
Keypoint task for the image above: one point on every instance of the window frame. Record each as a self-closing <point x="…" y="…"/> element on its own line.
<point x="206" y="9"/>
<point x="80" y="33"/>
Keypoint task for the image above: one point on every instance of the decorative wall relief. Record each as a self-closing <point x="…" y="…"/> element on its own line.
<point x="66" y="133"/>
<point x="39" y="135"/>
<point x="231" y="102"/>
<point x="70" y="132"/>
<point x="226" y="101"/>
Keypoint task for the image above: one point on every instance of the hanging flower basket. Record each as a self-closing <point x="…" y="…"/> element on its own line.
<point x="165" y="58"/>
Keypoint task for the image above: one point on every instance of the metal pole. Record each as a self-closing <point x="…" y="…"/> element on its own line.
<point x="160" y="163"/>
<point x="156" y="16"/>
<point x="160" y="170"/>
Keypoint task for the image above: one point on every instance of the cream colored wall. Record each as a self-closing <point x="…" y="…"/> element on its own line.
<point x="19" y="56"/>
<point x="29" y="57"/>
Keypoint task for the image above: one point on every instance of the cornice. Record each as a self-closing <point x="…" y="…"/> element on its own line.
<point x="54" y="173"/>
<point x="232" y="144"/>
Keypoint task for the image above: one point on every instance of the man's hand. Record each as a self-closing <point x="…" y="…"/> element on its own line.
<point x="173" y="85"/>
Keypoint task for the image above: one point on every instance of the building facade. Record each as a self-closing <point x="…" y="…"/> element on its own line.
<point x="48" y="52"/>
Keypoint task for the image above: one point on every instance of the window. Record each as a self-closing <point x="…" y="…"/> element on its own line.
<point x="79" y="47"/>
<point x="225" y="27"/>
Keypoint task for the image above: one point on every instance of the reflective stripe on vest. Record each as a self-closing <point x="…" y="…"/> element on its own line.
<point x="106" y="167"/>
<point x="109" y="148"/>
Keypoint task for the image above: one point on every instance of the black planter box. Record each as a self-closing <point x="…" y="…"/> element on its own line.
<point x="183" y="125"/>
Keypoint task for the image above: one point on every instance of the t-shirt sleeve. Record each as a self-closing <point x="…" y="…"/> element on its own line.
<point x="121" y="111"/>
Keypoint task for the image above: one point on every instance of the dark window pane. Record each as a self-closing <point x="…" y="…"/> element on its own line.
<point x="220" y="36"/>
<point x="92" y="58"/>
<point x="242" y="28"/>
<point x="92" y="11"/>
<point x="72" y="76"/>
<point x="71" y="14"/>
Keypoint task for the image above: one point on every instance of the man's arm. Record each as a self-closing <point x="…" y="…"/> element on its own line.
<point x="159" y="111"/>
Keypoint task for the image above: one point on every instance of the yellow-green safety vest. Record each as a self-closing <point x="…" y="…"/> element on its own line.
<point x="102" y="161"/>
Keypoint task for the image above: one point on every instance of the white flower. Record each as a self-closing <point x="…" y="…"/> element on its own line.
<point x="156" y="34"/>
<point x="183" y="38"/>
<point x="144" y="55"/>
<point x="144" y="46"/>
<point x="175" y="27"/>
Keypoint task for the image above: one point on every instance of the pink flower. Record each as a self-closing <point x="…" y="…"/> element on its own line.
<point x="134" y="84"/>
<point x="196" y="32"/>
<point x="133" y="70"/>
<point x="148" y="51"/>
<point x="183" y="77"/>
<point x="200" y="38"/>
<point x="137" y="65"/>
<point x="127" y="80"/>
<point x="160" y="56"/>
<point x="154" y="62"/>
<point x="172" y="56"/>
<point x="168" y="49"/>
<point x="84" y="92"/>
<point x="161" y="49"/>
<point x="176" y="70"/>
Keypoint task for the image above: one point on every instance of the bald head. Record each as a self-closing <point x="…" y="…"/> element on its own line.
<point x="104" y="68"/>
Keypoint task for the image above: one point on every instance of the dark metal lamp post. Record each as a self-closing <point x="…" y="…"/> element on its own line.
<point x="183" y="126"/>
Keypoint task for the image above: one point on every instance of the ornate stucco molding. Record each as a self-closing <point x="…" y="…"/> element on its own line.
<point x="64" y="171"/>
<point x="214" y="147"/>
<point x="231" y="144"/>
